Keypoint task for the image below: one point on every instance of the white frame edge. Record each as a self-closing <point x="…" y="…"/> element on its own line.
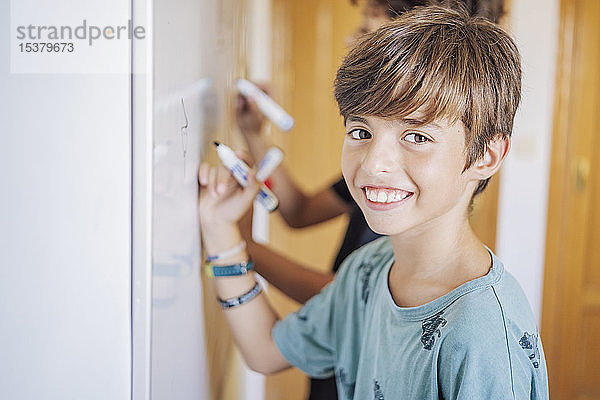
<point x="141" y="201"/>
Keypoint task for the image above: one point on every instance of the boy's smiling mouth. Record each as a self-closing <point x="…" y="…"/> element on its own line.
<point x="384" y="196"/>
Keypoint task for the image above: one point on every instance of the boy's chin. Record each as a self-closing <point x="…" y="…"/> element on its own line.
<point x="385" y="227"/>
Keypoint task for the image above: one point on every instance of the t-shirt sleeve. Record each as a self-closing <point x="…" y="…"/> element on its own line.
<point x="305" y="337"/>
<point x="311" y="338"/>
<point x="485" y="361"/>
<point x="475" y="370"/>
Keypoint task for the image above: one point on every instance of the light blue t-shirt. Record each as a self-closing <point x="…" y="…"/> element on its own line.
<point x="478" y="342"/>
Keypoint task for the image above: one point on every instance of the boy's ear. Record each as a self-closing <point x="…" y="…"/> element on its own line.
<point x="492" y="159"/>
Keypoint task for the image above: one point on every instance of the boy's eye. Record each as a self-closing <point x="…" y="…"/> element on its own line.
<point x="359" y="134"/>
<point x="416" y="138"/>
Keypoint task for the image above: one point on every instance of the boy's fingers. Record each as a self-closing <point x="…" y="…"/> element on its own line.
<point x="245" y="156"/>
<point x="212" y="182"/>
<point x="203" y="174"/>
<point x="253" y="186"/>
<point x="226" y="183"/>
<point x="223" y="177"/>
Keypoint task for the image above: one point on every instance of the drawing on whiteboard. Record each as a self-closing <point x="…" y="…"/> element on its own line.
<point x="184" y="137"/>
<point x="168" y="277"/>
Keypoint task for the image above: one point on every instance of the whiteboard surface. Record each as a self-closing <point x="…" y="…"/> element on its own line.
<point x="183" y="30"/>
<point x="199" y="48"/>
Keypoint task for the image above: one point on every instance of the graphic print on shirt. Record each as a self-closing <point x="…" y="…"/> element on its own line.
<point x="301" y="314"/>
<point x="364" y="271"/>
<point x="431" y="327"/>
<point x="377" y="392"/>
<point x="347" y="383"/>
<point x="529" y="342"/>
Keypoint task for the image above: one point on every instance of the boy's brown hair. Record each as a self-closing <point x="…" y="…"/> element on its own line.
<point x="442" y="62"/>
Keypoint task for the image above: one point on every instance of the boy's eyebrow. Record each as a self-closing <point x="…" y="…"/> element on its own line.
<point x="354" y="118"/>
<point x="419" y="123"/>
<point x="414" y="122"/>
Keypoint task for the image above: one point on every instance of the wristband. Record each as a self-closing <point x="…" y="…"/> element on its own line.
<point x="217" y="271"/>
<point x="227" y="253"/>
<point x="238" y="301"/>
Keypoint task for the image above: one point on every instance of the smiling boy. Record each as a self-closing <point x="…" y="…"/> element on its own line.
<point x="426" y="312"/>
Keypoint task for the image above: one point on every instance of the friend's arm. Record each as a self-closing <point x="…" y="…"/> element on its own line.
<point x="297" y="208"/>
<point x="292" y="278"/>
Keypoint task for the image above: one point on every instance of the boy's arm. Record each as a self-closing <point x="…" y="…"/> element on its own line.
<point x="222" y="203"/>
<point x="297" y="208"/>
<point x="251" y="323"/>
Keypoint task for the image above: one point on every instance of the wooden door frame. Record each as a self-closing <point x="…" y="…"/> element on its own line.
<point x="566" y="216"/>
<point x="557" y="203"/>
<point x="554" y="274"/>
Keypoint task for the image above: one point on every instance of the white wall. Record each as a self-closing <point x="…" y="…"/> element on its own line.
<point x="64" y="226"/>
<point x="523" y="199"/>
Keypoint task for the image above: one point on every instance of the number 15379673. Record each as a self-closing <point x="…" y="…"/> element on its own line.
<point x="44" y="47"/>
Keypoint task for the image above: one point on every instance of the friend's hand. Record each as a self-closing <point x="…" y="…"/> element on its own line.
<point x="249" y="118"/>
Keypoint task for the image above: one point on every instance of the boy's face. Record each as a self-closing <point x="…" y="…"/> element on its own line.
<point x="406" y="175"/>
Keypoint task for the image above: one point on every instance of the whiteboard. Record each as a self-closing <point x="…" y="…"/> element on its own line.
<point x="196" y="53"/>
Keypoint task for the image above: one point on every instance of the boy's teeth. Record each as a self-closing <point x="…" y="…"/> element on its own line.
<point x="371" y="195"/>
<point x="385" y="195"/>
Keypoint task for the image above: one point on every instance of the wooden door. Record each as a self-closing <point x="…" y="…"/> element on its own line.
<point x="571" y="302"/>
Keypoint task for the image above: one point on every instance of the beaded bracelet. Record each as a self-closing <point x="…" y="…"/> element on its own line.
<point x="238" y="301"/>
<point x="227" y="253"/>
<point x="218" y="271"/>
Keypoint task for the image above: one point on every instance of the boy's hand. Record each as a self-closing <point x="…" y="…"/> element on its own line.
<point x="222" y="199"/>
<point x="249" y="118"/>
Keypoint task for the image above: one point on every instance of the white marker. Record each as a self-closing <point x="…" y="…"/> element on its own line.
<point x="260" y="216"/>
<point x="260" y="223"/>
<point x="239" y="169"/>
<point x="267" y="105"/>
<point x="267" y="165"/>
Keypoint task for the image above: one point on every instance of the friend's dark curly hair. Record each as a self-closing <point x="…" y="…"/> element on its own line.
<point x="491" y="10"/>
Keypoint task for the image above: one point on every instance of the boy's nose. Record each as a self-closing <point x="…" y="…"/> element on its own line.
<point x="381" y="157"/>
